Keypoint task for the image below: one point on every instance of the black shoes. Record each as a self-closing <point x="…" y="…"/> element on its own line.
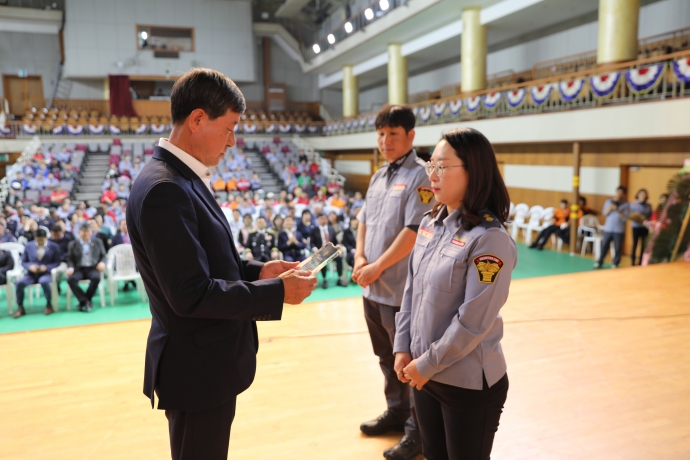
<point x="19" y="313"/>
<point x="382" y="424"/>
<point x="342" y="283"/>
<point x="533" y="245"/>
<point x="87" y="307"/>
<point x="49" y="309"/>
<point x="406" y="449"/>
<point x="325" y="284"/>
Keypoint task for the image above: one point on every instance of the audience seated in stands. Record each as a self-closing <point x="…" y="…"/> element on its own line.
<point x="86" y="261"/>
<point x="40" y="257"/>
<point x="320" y="236"/>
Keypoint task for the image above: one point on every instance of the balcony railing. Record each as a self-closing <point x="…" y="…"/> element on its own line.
<point x="651" y="79"/>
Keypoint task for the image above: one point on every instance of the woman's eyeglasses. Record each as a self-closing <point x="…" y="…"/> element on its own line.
<point x="430" y="167"/>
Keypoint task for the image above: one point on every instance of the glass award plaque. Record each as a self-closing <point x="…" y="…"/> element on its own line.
<point x="320" y="258"/>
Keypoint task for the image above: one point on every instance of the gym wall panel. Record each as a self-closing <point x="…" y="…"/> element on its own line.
<point x="361" y="167"/>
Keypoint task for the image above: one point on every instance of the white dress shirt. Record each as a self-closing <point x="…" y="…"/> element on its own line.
<point x="195" y="165"/>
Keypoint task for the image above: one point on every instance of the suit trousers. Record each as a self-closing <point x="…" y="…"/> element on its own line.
<point x="84" y="273"/>
<point x="201" y="435"/>
<point x="381" y="324"/>
<point x="43" y="279"/>
<point x="617" y="239"/>
<point x="457" y="423"/>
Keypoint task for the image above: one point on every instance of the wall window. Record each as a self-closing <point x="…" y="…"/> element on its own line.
<point x="157" y="38"/>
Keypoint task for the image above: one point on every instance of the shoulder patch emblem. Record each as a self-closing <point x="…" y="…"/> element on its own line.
<point x="457" y="241"/>
<point x="488" y="218"/>
<point x="425" y="233"/>
<point x="397" y="187"/>
<point x="425" y="194"/>
<point x="488" y="266"/>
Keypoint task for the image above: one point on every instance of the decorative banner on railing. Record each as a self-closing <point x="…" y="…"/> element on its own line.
<point x="300" y="128"/>
<point x="515" y="98"/>
<point x="472" y="103"/>
<point x="75" y="130"/>
<point x="96" y="129"/>
<point x="681" y="68"/>
<point x="348" y="124"/>
<point x="644" y="79"/>
<point x="570" y="90"/>
<point x="604" y="85"/>
<point x="491" y="100"/>
<point x="415" y="111"/>
<point x="5" y="130"/>
<point x="160" y="129"/>
<point x="114" y="129"/>
<point x="372" y="120"/>
<point x="313" y="129"/>
<point x="58" y="130"/>
<point x="29" y="129"/>
<point x="250" y="129"/>
<point x="362" y="122"/>
<point x="270" y="129"/>
<point x="284" y="129"/>
<point x="439" y="108"/>
<point x="141" y="129"/>
<point x="455" y="107"/>
<point x="425" y="113"/>
<point x="540" y="94"/>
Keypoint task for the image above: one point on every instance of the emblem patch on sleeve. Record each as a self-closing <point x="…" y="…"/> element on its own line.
<point x="425" y="194"/>
<point x="488" y="267"/>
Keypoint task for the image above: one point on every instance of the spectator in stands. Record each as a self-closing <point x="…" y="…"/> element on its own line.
<point x="99" y="232"/>
<point x="291" y="242"/>
<point x="43" y="170"/>
<point x="113" y="171"/>
<point x="6" y="236"/>
<point x="19" y="182"/>
<point x="334" y="222"/>
<point x="305" y="225"/>
<point x="338" y="200"/>
<point x="43" y="219"/>
<point x="345" y="217"/>
<point x="246" y="207"/>
<point x="137" y="166"/>
<point x="357" y="201"/>
<point x="125" y="166"/>
<point x="34" y="182"/>
<point x="560" y="217"/>
<point x="639" y="231"/>
<point x="68" y="174"/>
<point x="261" y="241"/>
<point x="350" y="242"/>
<point x="255" y="182"/>
<point x="58" y="197"/>
<point x="109" y="195"/>
<point x="616" y="211"/>
<point x="278" y="224"/>
<point x="243" y="184"/>
<point x="248" y="227"/>
<point x="304" y="181"/>
<point x="63" y="156"/>
<point x="320" y="236"/>
<point x="236" y="224"/>
<point x="65" y="209"/>
<point x="51" y="182"/>
<point x="86" y="256"/>
<point x="28" y="168"/>
<point x="6" y="264"/>
<point x="231" y="185"/>
<point x="40" y="257"/>
<point x="109" y="182"/>
<point x="28" y="229"/>
<point x="333" y="186"/>
<point x="122" y="192"/>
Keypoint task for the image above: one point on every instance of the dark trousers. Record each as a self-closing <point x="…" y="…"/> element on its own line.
<point x="84" y="273"/>
<point x="617" y="239"/>
<point x="293" y="256"/>
<point x="457" y="423"/>
<point x="43" y="279"/>
<point x="639" y="234"/>
<point x="546" y="233"/>
<point x="381" y="324"/>
<point x="338" y="267"/>
<point x="201" y="435"/>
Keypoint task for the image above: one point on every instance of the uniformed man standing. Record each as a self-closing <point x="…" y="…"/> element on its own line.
<point x="397" y="198"/>
<point x="262" y="241"/>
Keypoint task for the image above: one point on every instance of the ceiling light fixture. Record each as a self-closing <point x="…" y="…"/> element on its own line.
<point x="331" y="38"/>
<point x="384" y="5"/>
<point x="316" y="48"/>
<point x="144" y="35"/>
<point x="369" y="14"/>
<point x="348" y="27"/>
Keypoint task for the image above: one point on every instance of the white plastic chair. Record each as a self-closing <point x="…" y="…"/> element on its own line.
<point x="532" y="220"/>
<point x="101" y="292"/>
<point x="121" y="266"/>
<point x="537" y="223"/>
<point x="521" y="211"/>
<point x="590" y="224"/>
<point x="13" y="276"/>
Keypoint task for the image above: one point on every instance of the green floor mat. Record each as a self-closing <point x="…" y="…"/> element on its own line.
<point x="128" y="305"/>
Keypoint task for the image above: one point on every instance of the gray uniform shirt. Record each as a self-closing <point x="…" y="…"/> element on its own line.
<point x="644" y="209"/>
<point x="615" y="220"/>
<point x="389" y="207"/>
<point x="458" y="281"/>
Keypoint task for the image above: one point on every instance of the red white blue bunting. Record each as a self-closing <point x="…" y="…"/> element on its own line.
<point x="540" y="94"/>
<point x="681" y="68"/>
<point x="439" y="108"/>
<point x="644" y="79"/>
<point x="362" y="122"/>
<point x="425" y="113"/>
<point x="348" y="124"/>
<point x="160" y="129"/>
<point x="299" y="129"/>
<point x="372" y="120"/>
<point x="473" y="103"/>
<point x="250" y="129"/>
<point x="313" y="129"/>
<point x="114" y="129"/>
<point x="5" y="130"/>
<point x="455" y="107"/>
<point x="515" y="98"/>
<point x="96" y="129"/>
<point x="58" y="130"/>
<point x="284" y="129"/>
<point x="29" y="129"/>
<point x="270" y="129"/>
<point x="415" y="111"/>
<point x="141" y="129"/>
<point x="604" y="85"/>
<point x="570" y="90"/>
<point x="75" y="130"/>
<point x="491" y="100"/>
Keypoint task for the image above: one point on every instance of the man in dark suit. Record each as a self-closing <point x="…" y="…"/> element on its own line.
<point x="40" y="257"/>
<point x="261" y="241"/>
<point x="350" y="241"/>
<point x="85" y="261"/>
<point x="291" y="242"/>
<point x="201" y="349"/>
<point x="321" y="235"/>
<point x="6" y="264"/>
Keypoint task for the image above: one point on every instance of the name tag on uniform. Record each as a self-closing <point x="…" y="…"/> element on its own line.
<point x="426" y="233"/>
<point x="399" y="187"/>
<point x="457" y="241"/>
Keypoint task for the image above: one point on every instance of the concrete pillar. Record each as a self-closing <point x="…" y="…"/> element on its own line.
<point x="106" y="89"/>
<point x="618" y="21"/>
<point x="397" y="75"/>
<point x="473" y="51"/>
<point x="350" y="92"/>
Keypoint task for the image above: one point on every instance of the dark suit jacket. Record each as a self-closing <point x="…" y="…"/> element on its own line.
<point x="292" y="249"/>
<point x="315" y="239"/>
<point x="349" y="240"/>
<point x="201" y="349"/>
<point x="51" y="258"/>
<point x="119" y="238"/>
<point x="6" y="263"/>
<point x="75" y="252"/>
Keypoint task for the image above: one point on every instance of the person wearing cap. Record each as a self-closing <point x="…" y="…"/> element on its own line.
<point x="448" y="331"/>
<point x="85" y="261"/>
<point x="397" y="198"/>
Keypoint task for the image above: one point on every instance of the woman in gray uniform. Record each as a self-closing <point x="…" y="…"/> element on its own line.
<point x="448" y="339"/>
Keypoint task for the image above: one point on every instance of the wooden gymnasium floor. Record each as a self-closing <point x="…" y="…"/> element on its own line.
<point x="599" y="368"/>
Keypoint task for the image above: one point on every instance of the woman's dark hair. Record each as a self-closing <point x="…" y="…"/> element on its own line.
<point x="205" y="89"/>
<point x="485" y="188"/>
<point x="392" y="116"/>
<point x="646" y="193"/>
